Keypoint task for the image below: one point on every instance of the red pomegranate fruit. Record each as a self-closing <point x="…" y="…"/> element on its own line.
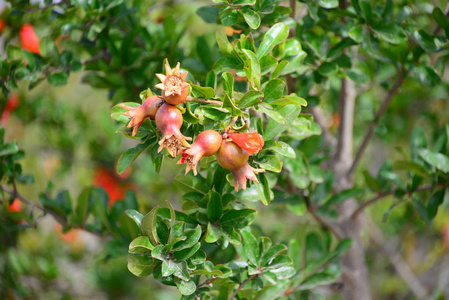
<point x="207" y="143"/>
<point x="169" y="121"/>
<point x="235" y="159"/>
<point x="139" y="113"/>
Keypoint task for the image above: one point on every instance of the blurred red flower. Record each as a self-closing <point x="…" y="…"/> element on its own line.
<point x="111" y="184"/>
<point x="11" y="104"/>
<point x="28" y="39"/>
<point x="251" y="142"/>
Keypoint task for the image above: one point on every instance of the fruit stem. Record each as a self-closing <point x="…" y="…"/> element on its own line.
<point x="207" y="101"/>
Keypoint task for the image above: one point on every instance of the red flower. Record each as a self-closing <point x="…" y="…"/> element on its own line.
<point x="11" y="105"/>
<point x="251" y="142"/>
<point x="111" y="184"/>
<point x="28" y="39"/>
<point x="2" y="25"/>
<point x="16" y="206"/>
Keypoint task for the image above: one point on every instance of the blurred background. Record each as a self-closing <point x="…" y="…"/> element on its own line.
<point x="71" y="142"/>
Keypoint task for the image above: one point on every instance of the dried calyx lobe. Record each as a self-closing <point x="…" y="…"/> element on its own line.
<point x="235" y="159"/>
<point x="174" y="88"/>
<point x="139" y="113"/>
<point x="169" y="121"/>
<point x="207" y="143"/>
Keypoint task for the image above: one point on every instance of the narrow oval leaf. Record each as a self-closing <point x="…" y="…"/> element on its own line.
<point x="277" y="34"/>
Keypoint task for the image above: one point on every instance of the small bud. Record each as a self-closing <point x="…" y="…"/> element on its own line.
<point x="139" y="113"/>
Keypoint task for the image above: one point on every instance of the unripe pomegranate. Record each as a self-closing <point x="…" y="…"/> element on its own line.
<point x="251" y="142"/>
<point x="233" y="158"/>
<point x="138" y="114"/>
<point x="169" y="121"/>
<point x="174" y="88"/>
<point x="28" y="39"/>
<point x="207" y="143"/>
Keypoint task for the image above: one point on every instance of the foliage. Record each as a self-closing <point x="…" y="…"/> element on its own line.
<point x="256" y="70"/>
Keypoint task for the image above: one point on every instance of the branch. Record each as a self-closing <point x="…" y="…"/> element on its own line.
<point x="318" y="116"/>
<point x="241" y="286"/>
<point x="206" y="101"/>
<point x="382" y="109"/>
<point x="16" y="194"/>
<point x="343" y="153"/>
<point x="421" y="188"/>
<point x="208" y="281"/>
<point x="402" y="268"/>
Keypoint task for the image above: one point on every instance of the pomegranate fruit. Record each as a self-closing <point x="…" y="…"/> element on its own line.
<point x="174" y="88"/>
<point x="251" y="142"/>
<point x="235" y="159"/>
<point x="138" y="114"/>
<point x="169" y="121"/>
<point x="207" y="143"/>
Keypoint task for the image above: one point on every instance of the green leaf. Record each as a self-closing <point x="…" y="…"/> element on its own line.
<point x="130" y="155"/>
<point x="356" y="33"/>
<point x="251" y="17"/>
<point x="290" y="99"/>
<point x="317" y="280"/>
<point x="438" y="160"/>
<point x="267" y="64"/>
<point x="252" y="68"/>
<point x="328" y="3"/>
<point x="391" y="33"/>
<point x="229" y="104"/>
<point x="426" y="41"/>
<point x="58" y="79"/>
<point x="149" y="226"/>
<point x="238" y="218"/>
<point x="278" y="33"/>
<point x="186" y="287"/>
<point x="83" y="205"/>
<point x="263" y="189"/>
<point x="8" y="149"/>
<point x="274" y="128"/>
<point x="412" y="167"/>
<point x="140" y="265"/>
<point x="274" y="251"/>
<point x="435" y="201"/>
<point x="140" y="244"/>
<point x="208" y="13"/>
<point x="272" y="113"/>
<point x="135" y="216"/>
<point x="243" y="2"/>
<point x="279" y="69"/>
<point x="250" y="99"/>
<point x="250" y="246"/>
<point x="441" y="19"/>
<point x="223" y="43"/>
<point x="212" y="234"/>
<point x="280" y="148"/>
<point x="274" y="90"/>
<point x="193" y="236"/>
<point x="228" y="83"/>
<point x="190" y="183"/>
<point x="343" y="195"/>
<point x="229" y="16"/>
<point x="186" y="253"/>
<point x="328" y="69"/>
<point x="214" y="207"/>
<point x="202" y="92"/>
<point x="270" y="163"/>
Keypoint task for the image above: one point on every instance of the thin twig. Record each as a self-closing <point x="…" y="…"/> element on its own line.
<point x="421" y="188"/>
<point x="208" y="281"/>
<point x="382" y="109"/>
<point x="241" y="286"/>
<point x="401" y="266"/>
<point x="206" y="101"/>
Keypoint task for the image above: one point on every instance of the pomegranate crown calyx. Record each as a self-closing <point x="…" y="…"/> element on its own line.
<point x="173" y="82"/>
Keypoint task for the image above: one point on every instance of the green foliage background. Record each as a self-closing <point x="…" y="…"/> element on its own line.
<point x="111" y="54"/>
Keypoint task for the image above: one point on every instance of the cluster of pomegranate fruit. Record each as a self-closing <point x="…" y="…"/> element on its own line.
<point x="232" y="149"/>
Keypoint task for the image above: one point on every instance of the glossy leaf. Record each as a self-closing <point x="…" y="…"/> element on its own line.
<point x="278" y="33"/>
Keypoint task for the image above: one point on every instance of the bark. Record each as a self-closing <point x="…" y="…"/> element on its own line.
<point x="355" y="272"/>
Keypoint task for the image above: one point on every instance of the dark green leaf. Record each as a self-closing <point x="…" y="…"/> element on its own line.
<point x="140" y="244"/>
<point x="391" y="33"/>
<point x="190" y="183"/>
<point x="250" y="246"/>
<point x="149" y="226"/>
<point x="238" y="218"/>
<point x="186" y="287"/>
<point x="278" y="33"/>
<point x="130" y="155"/>
<point x="251" y="17"/>
<point x="214" y="206"/>
<point x="274" y="90"/>
<point x="250" y="99"/>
